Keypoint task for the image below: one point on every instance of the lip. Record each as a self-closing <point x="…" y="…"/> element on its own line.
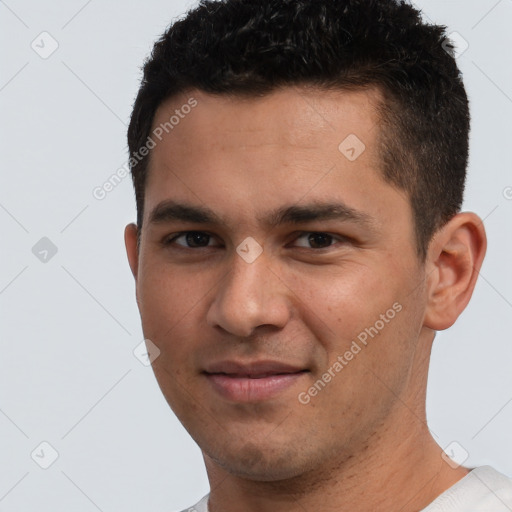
<point x="252" y="382"/>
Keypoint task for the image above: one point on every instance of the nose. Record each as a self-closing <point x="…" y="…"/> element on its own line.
<point x="249" y="296"/>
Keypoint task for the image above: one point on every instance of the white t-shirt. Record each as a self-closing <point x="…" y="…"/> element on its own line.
<point x="483" y="489"/>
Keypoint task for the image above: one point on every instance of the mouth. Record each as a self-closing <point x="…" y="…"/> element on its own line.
<point x="252" y="382"/>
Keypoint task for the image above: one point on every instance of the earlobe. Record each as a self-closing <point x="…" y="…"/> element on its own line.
<point x="130" y="241"/>
<point x="454" y="260"/>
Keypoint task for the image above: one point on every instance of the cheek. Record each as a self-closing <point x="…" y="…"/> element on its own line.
<point x="169" y="305"/>
<point x="341" y="303"/>
<point x="373" y="328"/>
<point x="169" y="301"/>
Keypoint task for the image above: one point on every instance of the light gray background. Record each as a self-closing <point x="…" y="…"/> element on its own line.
<point x="69" y="326"/>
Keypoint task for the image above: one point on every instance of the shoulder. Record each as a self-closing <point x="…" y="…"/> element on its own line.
<point x="483" y="489"/>
<point x="200" y="506"/>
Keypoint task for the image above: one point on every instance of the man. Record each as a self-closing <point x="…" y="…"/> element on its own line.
<point x="299" y="169"/>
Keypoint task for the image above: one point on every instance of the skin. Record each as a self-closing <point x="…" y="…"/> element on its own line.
<point x="362" y="443"/>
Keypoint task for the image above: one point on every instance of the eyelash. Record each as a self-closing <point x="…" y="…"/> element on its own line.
<point x="170" y="240"/>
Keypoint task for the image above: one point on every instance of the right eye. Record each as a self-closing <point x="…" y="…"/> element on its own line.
<point x="191" y="239"/>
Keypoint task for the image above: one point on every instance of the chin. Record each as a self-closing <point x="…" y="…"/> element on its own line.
<point x="258" y="463"/>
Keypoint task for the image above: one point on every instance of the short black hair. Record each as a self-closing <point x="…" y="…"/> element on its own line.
<point x="253" y="47"/>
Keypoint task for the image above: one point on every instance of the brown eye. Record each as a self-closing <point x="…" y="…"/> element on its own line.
<point x="316" y="240"/>
<point x="192" y="239"/>
<point x="197" y="239"/>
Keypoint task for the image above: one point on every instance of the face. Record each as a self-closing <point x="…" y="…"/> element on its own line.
<point x="278" y="277"/>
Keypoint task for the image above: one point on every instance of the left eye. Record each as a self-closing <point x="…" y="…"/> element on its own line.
<point x="316" y="240"/>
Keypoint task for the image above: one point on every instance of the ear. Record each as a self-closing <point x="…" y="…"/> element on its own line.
<point x="454" y="259"/>
<point x="130" y="241"/>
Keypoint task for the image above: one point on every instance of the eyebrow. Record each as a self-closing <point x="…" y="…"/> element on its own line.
<point x="170" y="210"/>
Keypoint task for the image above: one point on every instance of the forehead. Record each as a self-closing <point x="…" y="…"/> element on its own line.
<point x="299" y="116"/>
<point x="230" y="151"/>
